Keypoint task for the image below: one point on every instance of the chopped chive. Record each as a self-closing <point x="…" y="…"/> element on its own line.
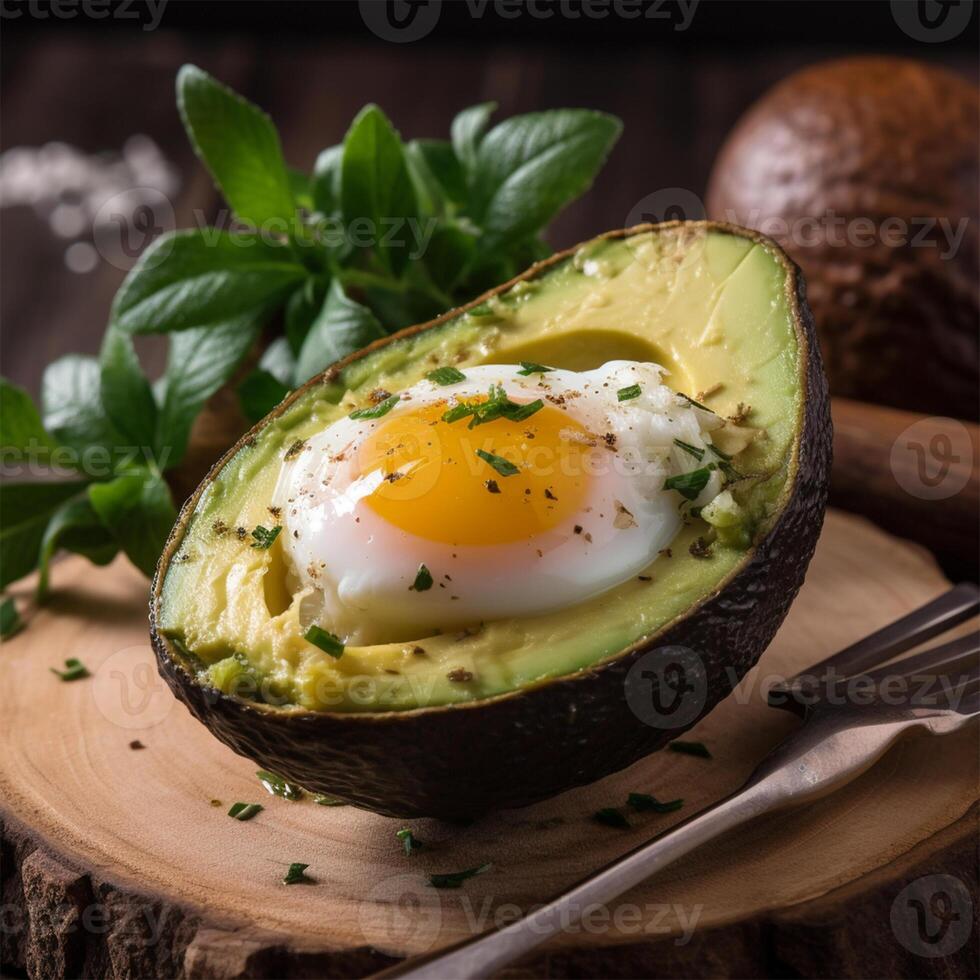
<point x="245" y="811"/>
<point x="74" y="670"/>
<point x="522" y="412"/>
<point x="503" y="466"/>
<point x="694" y="451"/>
<point x="446" y="376"/>
<point x="376" y="411"/>
<point x="644" y="803"/>
<point x="325" y="640"/>
<point x="264" y="537"/>
<point x="423" y="580"/>
<point x="530" y="367"/>
<point x="409" y="840"/>
<point x="690" y="400"/>
<point x="321" y="799"/>
<point x="689" y="485"/>
<point x="625" y="394"/>
<point x="296" y="875"/>
<point x="718" y="452"/>
<point x="278" y="786"/>
<point x="10" y="621"/>
<point x="454" y="879"/>
<point x="611" y="817"/>
<point x="691" y="748"/>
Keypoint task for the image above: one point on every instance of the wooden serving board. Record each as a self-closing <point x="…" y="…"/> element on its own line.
<point x="119" y="861"/>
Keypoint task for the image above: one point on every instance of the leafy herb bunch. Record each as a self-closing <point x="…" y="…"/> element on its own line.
<point x="382" y="234"/>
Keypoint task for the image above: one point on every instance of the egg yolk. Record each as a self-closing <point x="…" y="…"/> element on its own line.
<point x="428" y="479"/>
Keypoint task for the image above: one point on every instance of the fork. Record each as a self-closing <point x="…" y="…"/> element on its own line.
<point x="838" y="741"/>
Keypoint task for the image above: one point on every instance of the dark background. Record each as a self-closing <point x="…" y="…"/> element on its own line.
<point x="92" y="82"/>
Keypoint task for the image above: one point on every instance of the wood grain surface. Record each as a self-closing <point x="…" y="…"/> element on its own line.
<point x="118" y="861"/>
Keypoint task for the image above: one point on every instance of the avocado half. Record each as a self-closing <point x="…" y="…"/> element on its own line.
<point x="546" y="707"/>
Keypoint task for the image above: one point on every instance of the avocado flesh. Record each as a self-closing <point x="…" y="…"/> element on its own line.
<point x="711" y="306"/>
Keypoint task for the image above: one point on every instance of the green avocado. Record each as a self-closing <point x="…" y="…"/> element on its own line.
<point x="511" y="711"/>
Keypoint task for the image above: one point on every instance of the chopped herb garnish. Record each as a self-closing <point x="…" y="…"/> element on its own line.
<point x="245" y="811"/>
<point x="325" y="640"/>
<point x="718" y="452"/>
<point x="423" y="580"/>
<point x="446" y="376"/>
<point x="644" y="803"/>
<point x="691" y="748"/>
<point x="496" y="405"/>
<point x="694" y="451"/>
<point x="530" y="367"/>
<point x="689" y="485"/>
<point x="10" y="621"/>
<point x="264" y="537"/>
<point x="321" y="799"/>
<point x="296" y="875"/>
<point x="522" y="412"/>
<point x="74" y="670"/>
<point x="689" y="399"/>
<point x="630" y="392"/>
<point x="454" y="879"/>
<point x="409" y="840"/>
<point x="503" y="466"/>
<point x="611" y="817"/>
<point x="278" y="786"/>
<point x="376" y="411"/>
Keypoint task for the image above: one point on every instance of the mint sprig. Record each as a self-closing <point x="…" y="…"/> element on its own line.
<point x="384" y="233"/>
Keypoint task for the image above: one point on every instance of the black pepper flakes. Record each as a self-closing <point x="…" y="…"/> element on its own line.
<point x="459" y="675"/>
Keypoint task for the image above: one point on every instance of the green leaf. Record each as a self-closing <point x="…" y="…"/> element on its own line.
<point x="448" y="253"/>
<point x="245" y="811"/>
<point x="644" y="802"/>
<point x="528" y="167"/>
<point x="125" y="393"/>
<point x="71" y="403"/>
<point x="138" y="510"/>
<point x="259" y="394"/>
<point x="239" y="144"/>
<point x="410" y="842"/>
<point x="301" y="186"/>
<point x="423" y="580"/>
<point x="74" y="526"/>
<point x="455" y="879"/>
<point x="376" y="411"/>
<point x="278" y="786"/>
<point x="10" y="621"/>
<point x="202" y="278"/>
<point x="302" y="308"/>
<point x="278" y="360"/>
<point x="376" y="185"/>
<point x="611" y="817"/>
<point x="199" y="362"/>
<point x="689" y="485"/>
<point x="20" y="421"/>
<point x="296" y="875"/>
<point x="75" y="670"/>
<point x="326" y="179"/>
<point x="265" y="537"/>
<point x="25" y="510"/>
<point x="341" y="327"/>
<point x="467" y="129"/>
<point x="437" y="169"/>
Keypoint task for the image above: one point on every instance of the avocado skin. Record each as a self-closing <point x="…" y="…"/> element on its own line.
<point x="461" y="761"/>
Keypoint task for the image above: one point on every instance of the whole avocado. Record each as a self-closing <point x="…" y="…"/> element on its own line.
<point x="866" y="171"/>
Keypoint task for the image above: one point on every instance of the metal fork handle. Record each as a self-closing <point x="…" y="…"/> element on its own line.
<point x="806" y="766"/>
<point x="941" y="614"/>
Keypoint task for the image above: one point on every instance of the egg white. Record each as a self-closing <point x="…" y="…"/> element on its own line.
<point x="355" y="570"/>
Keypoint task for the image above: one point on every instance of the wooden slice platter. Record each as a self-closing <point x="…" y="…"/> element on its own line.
<point x="118" y="860"/>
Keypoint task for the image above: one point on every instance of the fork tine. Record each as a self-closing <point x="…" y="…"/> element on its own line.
<point x="943" y="613"/>
<point x="947" y="658"/>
